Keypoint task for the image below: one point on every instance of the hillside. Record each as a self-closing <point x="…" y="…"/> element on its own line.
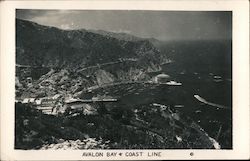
<point x="90" y="59"/>
<point x="38" y="45"/>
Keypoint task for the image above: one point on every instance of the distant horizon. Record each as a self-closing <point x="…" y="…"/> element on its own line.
<point x="91" y="30"/>
<point x="160" y="25"/>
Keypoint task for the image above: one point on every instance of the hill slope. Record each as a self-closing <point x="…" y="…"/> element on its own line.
<point x="38" y="45"/>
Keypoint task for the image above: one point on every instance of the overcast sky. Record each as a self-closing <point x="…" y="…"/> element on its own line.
<point x="162" y="25"/>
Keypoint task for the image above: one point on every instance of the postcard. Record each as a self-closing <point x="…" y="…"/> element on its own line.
<point x="124" y="80"/>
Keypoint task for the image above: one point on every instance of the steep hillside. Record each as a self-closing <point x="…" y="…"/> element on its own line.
<point x="38" y="45"/>
<point x="148" y="128"/>
<point x="90" y="58"/>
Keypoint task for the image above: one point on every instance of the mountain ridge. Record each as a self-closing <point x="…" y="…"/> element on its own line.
<point x="50" y="43"/>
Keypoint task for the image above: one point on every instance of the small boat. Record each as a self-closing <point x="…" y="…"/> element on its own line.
<point x="173" y="83"/>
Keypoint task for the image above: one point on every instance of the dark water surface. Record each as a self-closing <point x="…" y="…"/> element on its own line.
<point x="204" y="68"/>
<point x="210" y="118"/>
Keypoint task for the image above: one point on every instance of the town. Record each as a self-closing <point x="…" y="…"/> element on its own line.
<point x="57" y="105"/>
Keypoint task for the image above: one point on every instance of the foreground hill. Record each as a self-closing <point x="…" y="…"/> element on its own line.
<point x="158" y="129"/>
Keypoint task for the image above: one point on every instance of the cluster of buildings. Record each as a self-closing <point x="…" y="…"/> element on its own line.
<point x="59" y="105"/>
<point x="45" y="104"/>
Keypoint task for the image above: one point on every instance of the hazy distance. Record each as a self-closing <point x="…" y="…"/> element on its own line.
<point x="162" y="25"/>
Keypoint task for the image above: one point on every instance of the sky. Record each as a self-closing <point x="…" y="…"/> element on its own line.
<point x="162" y="25"/>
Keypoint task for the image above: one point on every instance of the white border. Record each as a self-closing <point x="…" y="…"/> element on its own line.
<point x="241" y="97"/>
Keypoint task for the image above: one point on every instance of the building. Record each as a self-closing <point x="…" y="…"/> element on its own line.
<point x="28" y="100"/>
<point x="84" y="108"/>
<point x="161" y="78"/>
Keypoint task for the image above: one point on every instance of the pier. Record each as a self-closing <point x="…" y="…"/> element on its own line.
<point x="77" y="101"/>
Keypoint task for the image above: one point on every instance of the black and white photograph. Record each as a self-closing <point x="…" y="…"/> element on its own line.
<point x="123" y="79"/>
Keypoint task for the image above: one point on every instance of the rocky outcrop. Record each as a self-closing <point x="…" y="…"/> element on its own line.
<point x="103" y="77"/>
